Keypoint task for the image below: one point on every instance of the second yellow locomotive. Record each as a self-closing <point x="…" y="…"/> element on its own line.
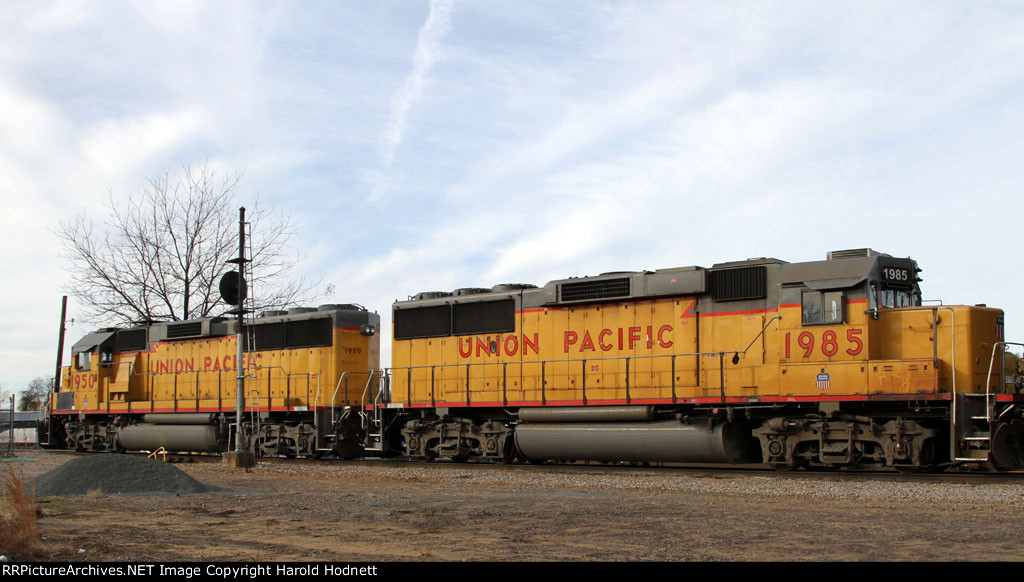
<point x="173" y="384"/>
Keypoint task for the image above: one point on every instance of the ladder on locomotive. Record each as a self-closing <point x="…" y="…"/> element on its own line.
<point x="977" y="416"/>
<point x="370" y="413"/>
<point x="972" y="428"/>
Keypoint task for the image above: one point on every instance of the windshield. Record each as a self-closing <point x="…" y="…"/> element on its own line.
<point x="890" y="297"/>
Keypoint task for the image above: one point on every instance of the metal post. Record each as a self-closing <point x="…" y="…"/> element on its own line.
<point x="584" y="381"/>
<point x="241" y="457"/>
<point x="56" y="374"/>
<point x="673" y="378"/>
<point x="10" y="427"/>
<point x="721" y="373"/>
<point x="240" y="374"/>
<point x="60" y="343"/>
<point x="628" y="399"/>
<point x="543" y="385"/>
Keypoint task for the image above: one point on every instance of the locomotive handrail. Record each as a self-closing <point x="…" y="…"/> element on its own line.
<point x="988" y="378"/>
<point x="344" y="379"/>
<point x="220" y="397"/>
<point x="543" y="363"/>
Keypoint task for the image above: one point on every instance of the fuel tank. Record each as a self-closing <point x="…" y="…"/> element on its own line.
<point x="663" y="441"/>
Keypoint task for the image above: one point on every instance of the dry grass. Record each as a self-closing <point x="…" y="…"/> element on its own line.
<point x="19" y="536"/>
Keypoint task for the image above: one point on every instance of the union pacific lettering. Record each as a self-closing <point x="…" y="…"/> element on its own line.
<point x="628" y="338"/>
<point x="623" y="338"/>
<point x="209" y="364"/>
<point x="510" y="345"/>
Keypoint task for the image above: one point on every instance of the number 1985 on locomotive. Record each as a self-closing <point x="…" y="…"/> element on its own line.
<point x="828" y="343"/>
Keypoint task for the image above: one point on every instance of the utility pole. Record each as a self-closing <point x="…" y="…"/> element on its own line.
<point x="46" y="422"/>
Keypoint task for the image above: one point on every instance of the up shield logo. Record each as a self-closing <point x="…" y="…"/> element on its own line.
<point x="823" y="382"/>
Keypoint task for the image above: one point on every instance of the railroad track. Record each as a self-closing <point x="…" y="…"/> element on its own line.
<point x="694" y="470"/>
<point x="593" y="468"/>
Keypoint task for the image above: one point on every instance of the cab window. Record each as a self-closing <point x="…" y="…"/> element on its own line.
<point x="822" y="307"/>
<point x="83" y="361"/>
<point x="899" y="298"/>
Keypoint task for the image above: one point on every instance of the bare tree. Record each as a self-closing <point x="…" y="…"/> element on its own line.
<point x="34" y="398"/>
<point x="159" y="255"/>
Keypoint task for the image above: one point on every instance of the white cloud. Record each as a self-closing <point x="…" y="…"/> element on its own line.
<point x="28" y="124"/>
<point x="428" y="49"/>
<point x="119" y="145"/>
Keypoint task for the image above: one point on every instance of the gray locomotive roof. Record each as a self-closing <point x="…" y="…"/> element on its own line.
<point x="836" y="273"/>
<point x="343" y="315"/>
<point x="87" y="343"/>
<point x="842" y="269"/>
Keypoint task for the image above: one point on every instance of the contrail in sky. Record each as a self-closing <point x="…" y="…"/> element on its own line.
<point x="427" y="48"/>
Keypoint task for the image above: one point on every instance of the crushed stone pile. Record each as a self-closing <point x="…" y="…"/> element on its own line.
<point x="115" y="474"/>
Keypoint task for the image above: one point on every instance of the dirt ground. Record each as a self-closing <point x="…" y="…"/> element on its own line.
<point x="387" y="511"/>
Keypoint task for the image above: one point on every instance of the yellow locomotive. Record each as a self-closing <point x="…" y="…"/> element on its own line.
<point x="833" y="363"/>
<point x="173" y="384"/>
<point x="826" y="363"/>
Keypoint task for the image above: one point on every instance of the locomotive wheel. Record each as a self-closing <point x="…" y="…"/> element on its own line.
<point x="508" y="456"/>
<point x="430" y="451"/>
<point x="992" y="467"/>
<point x="927" y="455"/>
<point x="792" y="465"/>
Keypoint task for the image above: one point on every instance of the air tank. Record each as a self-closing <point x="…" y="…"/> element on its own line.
<point x="180" y="418"/>
<point x="172" y="437"/>
<point x="549" y="414"/>
<point x="662" y="441"/>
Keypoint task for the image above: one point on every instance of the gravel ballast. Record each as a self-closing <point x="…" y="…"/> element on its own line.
<point x="383" y="511"/>
<point x="114" y="474"/>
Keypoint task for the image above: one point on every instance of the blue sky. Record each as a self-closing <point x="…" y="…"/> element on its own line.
<point x="434" y="145"/>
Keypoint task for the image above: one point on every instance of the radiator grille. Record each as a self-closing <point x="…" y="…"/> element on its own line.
<point x="286" y="335"/>
<point x="130" y="340"/>
<point x="735" y="284"/>
<point x="434" y="321"/>
<point x="592" y="290"/>
<point x="484" y="317"/>
<point x="190" y="329"/>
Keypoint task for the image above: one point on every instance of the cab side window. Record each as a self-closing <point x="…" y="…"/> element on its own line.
<point x="822" y="307"/>
<point x="83" y="361"/>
